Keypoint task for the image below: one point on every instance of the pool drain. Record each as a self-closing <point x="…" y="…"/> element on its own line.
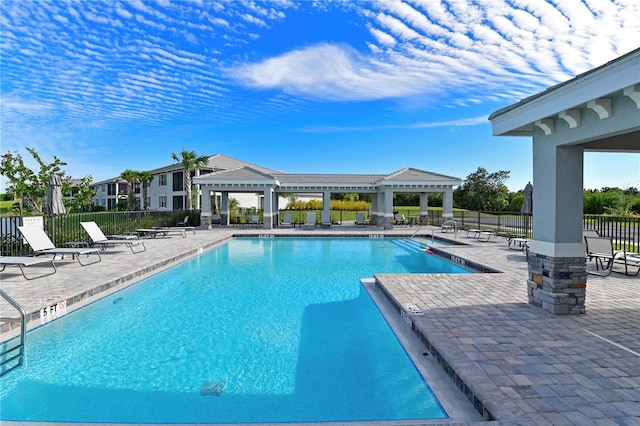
<point x="212" y="388"/>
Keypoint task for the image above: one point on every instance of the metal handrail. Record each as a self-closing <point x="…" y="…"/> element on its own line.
<point x="23" y="327"/>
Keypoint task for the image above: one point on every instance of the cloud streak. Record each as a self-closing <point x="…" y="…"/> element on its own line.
<point x="92" y="65"/>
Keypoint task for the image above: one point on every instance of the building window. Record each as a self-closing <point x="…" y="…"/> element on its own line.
<point x="178" y="181"/>
<point x="178" y="202"/>
<point x="162" y="179"/>
<point x="163" y="201"/>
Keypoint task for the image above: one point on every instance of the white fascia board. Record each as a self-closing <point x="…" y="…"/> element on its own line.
<point x="419" y="184"/>
<point x="215" y="182"/>
<point x="598" y="84"/>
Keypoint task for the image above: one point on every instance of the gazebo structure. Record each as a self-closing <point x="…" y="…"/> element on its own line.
<point x="382" y="188"/>
<point x="598" y="111"/>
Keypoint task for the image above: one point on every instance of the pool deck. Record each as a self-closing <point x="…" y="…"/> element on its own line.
<point x="516" y="363"/>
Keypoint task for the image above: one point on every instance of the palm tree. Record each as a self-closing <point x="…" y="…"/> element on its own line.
<point x="190" y="162"/>
<point x="131" y="176"/>
<point x="143" y="178"/>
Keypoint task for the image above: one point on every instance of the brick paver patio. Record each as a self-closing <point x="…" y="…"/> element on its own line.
<point x="516" y="363"/>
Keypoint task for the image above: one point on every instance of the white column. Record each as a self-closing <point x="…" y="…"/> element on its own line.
<point x="224" y="209"/>
<point x="267" y="215"/>
<point x="388" y="209"/>
<point x="424" y="208"/>
<point x="447" y="204"/>
<point x="558" y="200"/>
<point x="205" y="212"/>
<point x="326" y="203"/>
<point x="199" y="193"/>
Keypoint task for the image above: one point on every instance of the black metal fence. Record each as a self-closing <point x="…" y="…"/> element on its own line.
<point x="66" y="228"/>
<point x="624" y="230"/>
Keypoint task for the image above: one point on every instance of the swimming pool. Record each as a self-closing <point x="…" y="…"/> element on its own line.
<point x="257" y="330"/>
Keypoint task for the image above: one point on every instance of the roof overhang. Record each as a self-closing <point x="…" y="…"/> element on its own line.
<point x="568" y="101"/>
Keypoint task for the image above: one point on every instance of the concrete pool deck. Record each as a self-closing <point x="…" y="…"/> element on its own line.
<point x="518" y="364"/>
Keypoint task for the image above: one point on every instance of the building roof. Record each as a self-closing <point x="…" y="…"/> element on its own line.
<point x="615" y="79"/>
<point x="408" y="178"/>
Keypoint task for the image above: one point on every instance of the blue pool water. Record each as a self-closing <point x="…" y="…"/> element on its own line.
<point x="257" y="330"/>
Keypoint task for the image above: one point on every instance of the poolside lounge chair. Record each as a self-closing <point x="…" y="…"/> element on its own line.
<point x="101" y="240"/>
<point x="399" y="219"/>
<point x="24" y="262"/>
<point x="42" y="245"/>
<point x="287" y="219"/>
<point x="449" y="226"/>
<point x="164" y="231"/>
<point x="360" y="220"/>
<point x="600" y="250"/>
<point x="629" y="260"/>
<point x="183" y="222"/>
<point x="311" y="220"/>
<point x="325" y="221"/>
<point x="254" y="220"/>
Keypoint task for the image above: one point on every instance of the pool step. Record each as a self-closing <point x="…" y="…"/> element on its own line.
<point x="412" y="244"/>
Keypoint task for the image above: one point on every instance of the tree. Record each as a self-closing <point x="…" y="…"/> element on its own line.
<point x="82" y="194"/>
<point x="29" y="187"/>
<point x="131" y="176"/>
<point x="144" y="178"/>
<point x="482" y="190"/>
<point x="190" y="162"/>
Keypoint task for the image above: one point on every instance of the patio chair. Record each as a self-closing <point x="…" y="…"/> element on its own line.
<point x="216" y="219"/>
<point x="23" y="262"/>
<point x="101" y="240"/>
<point x="42" y="245"/>
<point x="399" y="219"/>
<point x="311" y="220"/>
<point x="449" y="226"/>
<point x="360" y="220"/>
<point x="325" y="220"/>
<point x="600" y="250"/>
<point x="254" y="220"/>
<point x="183" y="222"/>
<point x="629" y="260"/>
<point x="287" y="219"/>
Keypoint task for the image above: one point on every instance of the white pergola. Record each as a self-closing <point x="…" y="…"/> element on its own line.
<point x="598" y="111"/>
<point x="271" y="185"/>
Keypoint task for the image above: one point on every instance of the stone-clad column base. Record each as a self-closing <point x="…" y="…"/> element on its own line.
<point x="557" y="284"/>
<point x="205" y="220"/>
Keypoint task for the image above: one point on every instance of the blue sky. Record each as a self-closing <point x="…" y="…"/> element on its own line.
<point x="302" y="87"/>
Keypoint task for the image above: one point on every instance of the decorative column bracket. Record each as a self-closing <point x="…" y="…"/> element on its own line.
<point x="572" y="117"/>
<point x="601" y="106"/>
<point x="633" y="92"/>
<point x="547" y="125"/>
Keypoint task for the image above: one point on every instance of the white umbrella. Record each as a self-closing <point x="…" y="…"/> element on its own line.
<point x="54" y="197"/>
<point x="54" y="201"/>
<point x="527" y="206"/>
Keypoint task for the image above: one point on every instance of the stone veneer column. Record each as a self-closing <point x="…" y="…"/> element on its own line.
<point x="557" y="278"/>
<point x="557" y="284"/>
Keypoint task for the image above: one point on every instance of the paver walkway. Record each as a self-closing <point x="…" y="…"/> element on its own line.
<point x="518" y="364"/>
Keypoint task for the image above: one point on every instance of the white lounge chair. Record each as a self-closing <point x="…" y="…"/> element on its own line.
<point x="400" y="219"/>
<point x="42" y="245"/>
<point x="23" y="262"/>
<point x="600" y="250"/>
<point x="360" y="220"/>
<point x="311" y="220"/>
<point x="101" y="240"/>
<point x="287" y="219"/>
<point x="254" y="220"/>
